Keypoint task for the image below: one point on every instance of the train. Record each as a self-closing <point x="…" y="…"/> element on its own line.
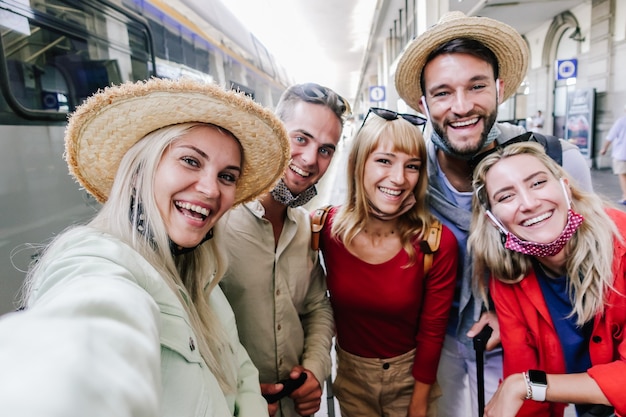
<point x="54" y="54"/>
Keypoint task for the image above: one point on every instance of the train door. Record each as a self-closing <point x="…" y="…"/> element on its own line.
<point x="53" y="54"/>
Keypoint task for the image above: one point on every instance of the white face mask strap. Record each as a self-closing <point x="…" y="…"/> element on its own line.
<point x="423" y="99"/>
<point x="564" y="187"/>
<point x="498" y="90"/>
<point x="496" y="221"/>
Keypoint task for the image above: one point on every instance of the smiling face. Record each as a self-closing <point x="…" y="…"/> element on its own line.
<point x="390" y="177"/>
<point x="460" y="91"/>
<point x="314" y="131"/>
<point x="526" y="197"/>
<point x="195" y="183"/>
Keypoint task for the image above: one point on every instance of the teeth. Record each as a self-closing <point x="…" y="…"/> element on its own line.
<point x="390" y="191"/>
<point x="465" y="123"/>
<point x="193" y="207"/>
<point x="298" y="171"/>
<point x="537" y="219"/>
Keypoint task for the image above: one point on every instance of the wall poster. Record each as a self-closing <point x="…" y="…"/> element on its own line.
<point x="579" y="124"/>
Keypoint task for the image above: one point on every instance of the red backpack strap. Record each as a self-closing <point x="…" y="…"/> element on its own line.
<point x="318" y="220"/>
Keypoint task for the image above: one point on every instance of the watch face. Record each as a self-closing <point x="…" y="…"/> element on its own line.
<point x="537" y="377"/>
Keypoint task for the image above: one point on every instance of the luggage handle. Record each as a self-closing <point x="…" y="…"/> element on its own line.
<point x="480" y="340"/>
<point x="480" y="343"/>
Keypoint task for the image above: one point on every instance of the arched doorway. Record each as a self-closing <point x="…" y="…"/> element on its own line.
<point x="563" y="42"/>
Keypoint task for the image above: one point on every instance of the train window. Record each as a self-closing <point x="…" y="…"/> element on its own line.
<point x="141" y="58"/>
<point x="202" y="60"/>
<point x="188" y="51"/>
<point x="158" y="35"/>
<point x="175" y="43"/>
<point x="169" y="43"/>
<point x="173" y="47"/>
<point x="67" y="51"/>
<point x="265" y="61"/>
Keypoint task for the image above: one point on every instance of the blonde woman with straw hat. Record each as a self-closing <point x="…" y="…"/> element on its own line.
<point x="457" y="73"/>
<point x="123" y="316"/>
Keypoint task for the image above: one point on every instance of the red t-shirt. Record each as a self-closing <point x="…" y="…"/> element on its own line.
<point x="385" y="310"/>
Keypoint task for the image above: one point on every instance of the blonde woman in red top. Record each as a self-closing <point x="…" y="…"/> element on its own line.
<point x="390" y="317"/>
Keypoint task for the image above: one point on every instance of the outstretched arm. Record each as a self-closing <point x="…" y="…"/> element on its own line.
<point x="89" y="346"/>
<point x="563" y="388"/>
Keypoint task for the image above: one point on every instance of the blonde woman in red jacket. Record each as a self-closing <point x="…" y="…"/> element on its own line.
<point x="556" y="256"/>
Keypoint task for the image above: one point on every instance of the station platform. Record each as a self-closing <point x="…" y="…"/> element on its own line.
<point x="606" y="184"/>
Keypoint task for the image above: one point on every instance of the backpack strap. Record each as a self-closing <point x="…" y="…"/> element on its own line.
<point x="553" y="147"/>
<point x="430" y="244"/>
<point x="318" y="220"/>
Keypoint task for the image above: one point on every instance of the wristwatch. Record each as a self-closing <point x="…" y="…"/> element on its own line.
<point x="538" y="383"/>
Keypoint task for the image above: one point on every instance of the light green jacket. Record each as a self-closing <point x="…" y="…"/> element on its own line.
<point x="105" y="336"/>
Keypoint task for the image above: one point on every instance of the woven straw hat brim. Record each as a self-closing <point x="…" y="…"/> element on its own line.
<point x="504" y="41"/>
<point x="109" y="122"/>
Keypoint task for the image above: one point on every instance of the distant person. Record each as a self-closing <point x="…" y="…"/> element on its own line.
<point x="457" y="73"/>
<point x="556" y="256"/>
<point x="123" y="316"/>
<point x="390" y="316"/>
<point x="617" y="137"/>
<point x="537" y="122"/>
<point x="275" y="282"/>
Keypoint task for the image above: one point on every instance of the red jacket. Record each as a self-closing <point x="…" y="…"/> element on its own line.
<point x="530" y="341"/>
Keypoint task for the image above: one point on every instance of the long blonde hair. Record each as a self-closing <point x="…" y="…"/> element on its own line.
<point x="353" y="215"/>
<point x="191" y="276"/>
<point x="589" y="267"/>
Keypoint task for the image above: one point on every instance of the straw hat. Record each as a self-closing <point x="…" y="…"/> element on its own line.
<point x="108" y="123"/>
<point x="504" y="41"/>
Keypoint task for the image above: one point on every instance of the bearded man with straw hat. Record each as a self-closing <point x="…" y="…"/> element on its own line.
<point x="457" y="73"/>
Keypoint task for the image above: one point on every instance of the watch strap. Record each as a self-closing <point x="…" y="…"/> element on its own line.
<point x="538" y="384"/>
<point x="529" y="390"/>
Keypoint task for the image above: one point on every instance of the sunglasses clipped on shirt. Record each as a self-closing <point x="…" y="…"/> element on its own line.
<point x="386" y="114"/>
<point x="313" y="90"/>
